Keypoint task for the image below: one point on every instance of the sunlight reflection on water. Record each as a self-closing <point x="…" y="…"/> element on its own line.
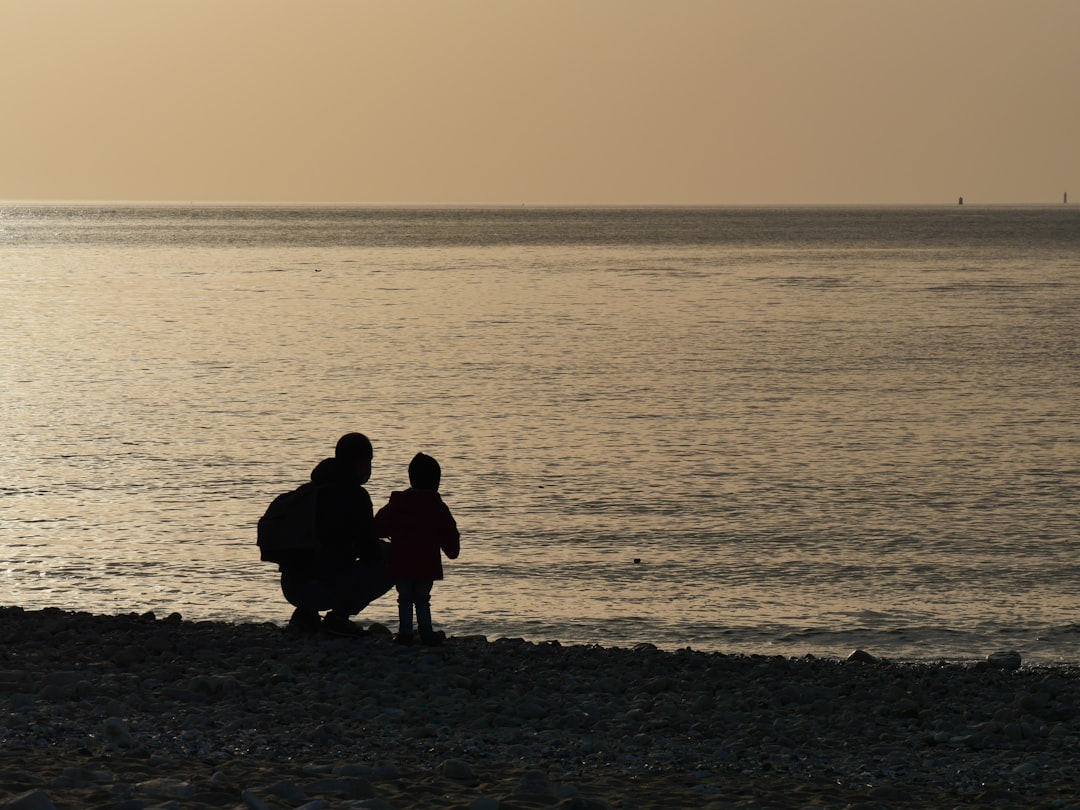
<point x="799" y="445"/>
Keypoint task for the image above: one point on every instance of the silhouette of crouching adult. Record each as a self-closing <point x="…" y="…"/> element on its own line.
<point x="349" y="572"/>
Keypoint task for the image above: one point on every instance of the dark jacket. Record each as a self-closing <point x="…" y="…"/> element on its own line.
<point x="346" y="523"/>
<point x="419" y="526"/>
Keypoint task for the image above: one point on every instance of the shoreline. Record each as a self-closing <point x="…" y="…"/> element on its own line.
<point x="132" y="712"/>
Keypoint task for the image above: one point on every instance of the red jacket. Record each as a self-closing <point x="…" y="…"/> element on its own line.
<point x="419" y="526"/>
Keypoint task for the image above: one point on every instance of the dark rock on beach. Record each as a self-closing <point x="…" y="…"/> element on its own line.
<point x="132" y="711"/>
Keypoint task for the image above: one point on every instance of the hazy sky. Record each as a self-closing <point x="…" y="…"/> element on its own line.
<point x="541" y="101"/>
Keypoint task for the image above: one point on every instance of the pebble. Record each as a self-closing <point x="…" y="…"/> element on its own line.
<point x="1004" y="660"/>
<point x="31" y="800"/>
<point x="165" y="788"/>
<point x="459" y="771"/>
<point x="131" y="711"/>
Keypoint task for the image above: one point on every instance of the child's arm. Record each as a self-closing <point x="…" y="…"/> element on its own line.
<point x="451" y="537"/>
<point x="384" y="519"/>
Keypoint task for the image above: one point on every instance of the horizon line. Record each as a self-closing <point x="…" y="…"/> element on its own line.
<point x="963" y="202"/>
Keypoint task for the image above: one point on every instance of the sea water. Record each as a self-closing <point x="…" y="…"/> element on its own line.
<point x="773" y="430"/>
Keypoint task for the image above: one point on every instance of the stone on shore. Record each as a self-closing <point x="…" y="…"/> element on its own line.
<point x="130" y="712"/>
<point x="1004" y="660"/>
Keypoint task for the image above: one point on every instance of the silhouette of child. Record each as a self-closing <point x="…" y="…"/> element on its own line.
<point x="419" y="526"/>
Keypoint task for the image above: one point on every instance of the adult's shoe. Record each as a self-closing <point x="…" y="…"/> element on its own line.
<point x="304" y="621"/>
<point x="340" y="626"/>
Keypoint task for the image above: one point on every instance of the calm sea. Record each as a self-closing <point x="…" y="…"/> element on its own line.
<point x="770" y="430"/>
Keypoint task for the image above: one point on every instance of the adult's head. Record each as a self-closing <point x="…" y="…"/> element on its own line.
<point x="424" y="472"/>
<point x="354" y="450"/>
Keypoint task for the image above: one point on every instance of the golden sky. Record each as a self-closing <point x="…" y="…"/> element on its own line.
<point x="541" y="101"/>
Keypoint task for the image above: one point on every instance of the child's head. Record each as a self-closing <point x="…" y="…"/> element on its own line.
<point x="424" y="472"/>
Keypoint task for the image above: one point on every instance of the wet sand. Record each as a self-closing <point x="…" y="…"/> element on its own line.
<point x="133" y="712"/>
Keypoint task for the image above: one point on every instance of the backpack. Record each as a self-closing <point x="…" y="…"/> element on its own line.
<point x="290" y="525"/>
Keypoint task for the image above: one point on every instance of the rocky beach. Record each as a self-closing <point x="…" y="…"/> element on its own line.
<point x="137" y="711"/>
